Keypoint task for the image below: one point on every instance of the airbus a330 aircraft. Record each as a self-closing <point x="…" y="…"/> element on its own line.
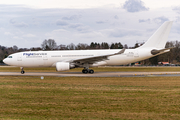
<point x="65" y="60"/>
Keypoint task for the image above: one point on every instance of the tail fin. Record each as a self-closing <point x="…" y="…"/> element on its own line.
<point x="159" y="38"/>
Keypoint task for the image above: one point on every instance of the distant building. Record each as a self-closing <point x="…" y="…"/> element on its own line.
<point x="163" y="63"/>
<point x="137" y="64"/>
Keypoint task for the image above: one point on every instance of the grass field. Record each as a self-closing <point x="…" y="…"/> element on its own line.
<point x="27" y="97"/>
<point x="89" y="98"/>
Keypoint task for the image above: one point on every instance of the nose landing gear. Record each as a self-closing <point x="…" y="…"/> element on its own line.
<point x="22" y="70"/>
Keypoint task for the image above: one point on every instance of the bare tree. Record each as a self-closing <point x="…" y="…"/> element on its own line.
<point x="125" y="46"/>
<point x="71" y="46"/>
<point x="82" y="46"/>
<point x="62" y="47"/>
<point x="35" y="49"/>
<point x="49" y="44"/>
<point x="15" y="48"/>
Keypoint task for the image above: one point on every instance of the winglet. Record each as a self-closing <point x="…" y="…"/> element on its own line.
<point x="120" y="52"/>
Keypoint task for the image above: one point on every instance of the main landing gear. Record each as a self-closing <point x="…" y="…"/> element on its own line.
<point x="22" y="70"/>
<point x="85" y="71"/>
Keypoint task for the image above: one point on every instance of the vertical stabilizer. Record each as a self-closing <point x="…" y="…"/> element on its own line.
<point x="159" y="38"/>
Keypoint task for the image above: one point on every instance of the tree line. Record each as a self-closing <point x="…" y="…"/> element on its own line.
<point x="52" y="45"/>
<point x="173" y="56"/>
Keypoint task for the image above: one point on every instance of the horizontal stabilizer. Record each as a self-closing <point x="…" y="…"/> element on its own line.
<point x="154" y="52"/>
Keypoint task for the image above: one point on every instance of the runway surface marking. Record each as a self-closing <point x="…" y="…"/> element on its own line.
<point x="97" y="74"/>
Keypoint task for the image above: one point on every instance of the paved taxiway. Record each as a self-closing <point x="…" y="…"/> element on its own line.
<point x="96" y="74"/>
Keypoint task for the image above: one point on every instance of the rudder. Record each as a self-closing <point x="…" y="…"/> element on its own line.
<point x="160" y="37"/>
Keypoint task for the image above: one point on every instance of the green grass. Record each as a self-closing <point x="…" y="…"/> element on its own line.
<point x="89" y="98"/>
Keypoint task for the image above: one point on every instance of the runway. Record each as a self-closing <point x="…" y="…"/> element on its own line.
<point x="96" y="74"/>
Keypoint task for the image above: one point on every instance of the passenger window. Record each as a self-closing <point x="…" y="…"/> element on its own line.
<point x="10" y="57"/>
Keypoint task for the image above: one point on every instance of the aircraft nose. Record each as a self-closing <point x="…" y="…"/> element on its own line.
<point x="5" y="61"/>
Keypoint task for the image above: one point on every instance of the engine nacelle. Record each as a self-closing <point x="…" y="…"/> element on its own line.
<point x="63" y="66"/>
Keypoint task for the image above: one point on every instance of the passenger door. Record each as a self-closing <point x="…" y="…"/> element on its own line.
<point x="19" y="57"/>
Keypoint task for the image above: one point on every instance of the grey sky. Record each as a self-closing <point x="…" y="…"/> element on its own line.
<point x="128" y="22"/>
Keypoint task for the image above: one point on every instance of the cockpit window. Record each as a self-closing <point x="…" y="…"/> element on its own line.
<point x="9" y="56"/>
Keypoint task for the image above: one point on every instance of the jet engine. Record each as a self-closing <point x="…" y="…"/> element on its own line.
<point x="63" y="66"/>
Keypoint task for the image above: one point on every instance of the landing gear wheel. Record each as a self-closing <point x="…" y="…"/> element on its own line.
<point x="22" y="72"/>
<point x="91" y="71"/>
<point x="84" y="71"/>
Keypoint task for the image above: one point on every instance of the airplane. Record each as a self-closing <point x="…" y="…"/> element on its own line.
<point x="66" y="60"/>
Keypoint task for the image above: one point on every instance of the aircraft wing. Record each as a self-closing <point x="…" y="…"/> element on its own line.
<point x="93" y="59"/>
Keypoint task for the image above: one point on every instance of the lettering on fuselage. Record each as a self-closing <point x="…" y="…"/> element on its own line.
<point x="34" y="55"/>
<point x="130" y="54"/>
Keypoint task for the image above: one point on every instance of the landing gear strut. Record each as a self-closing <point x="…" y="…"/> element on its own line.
<point x="85" y="71"/>
<point x="22" y="70"/>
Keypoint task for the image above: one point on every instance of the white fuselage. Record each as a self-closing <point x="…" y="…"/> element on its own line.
<point x="50" y="58"/>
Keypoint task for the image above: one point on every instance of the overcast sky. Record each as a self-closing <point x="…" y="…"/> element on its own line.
<point x="26" y="23"/>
